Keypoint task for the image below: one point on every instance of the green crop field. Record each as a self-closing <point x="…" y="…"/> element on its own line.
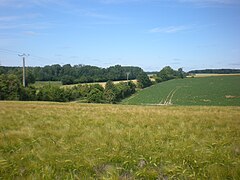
<point x="217" y="91"/>
<point x="92" y="141"/>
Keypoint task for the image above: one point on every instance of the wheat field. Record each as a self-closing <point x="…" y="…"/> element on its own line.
<point x="93" y="141"/>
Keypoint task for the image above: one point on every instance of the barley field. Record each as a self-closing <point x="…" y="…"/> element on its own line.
<point x="41" y="140"/>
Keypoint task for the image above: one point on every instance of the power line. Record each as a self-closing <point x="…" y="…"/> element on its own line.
<point x="9" y="51"/>
<point x="34" y="57"/>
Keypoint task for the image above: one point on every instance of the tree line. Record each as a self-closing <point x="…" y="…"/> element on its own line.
<point x="167" y="73"/>
<point x="11" y="84"/>
<point x="12" y="89"/>
<point x="68" y="74"/>
<point x="215" y="71"/>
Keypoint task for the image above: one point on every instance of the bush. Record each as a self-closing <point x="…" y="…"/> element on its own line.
<point x="95" y="96"/>
<point x="10" y="87"/>
<point x="143" y="80"/>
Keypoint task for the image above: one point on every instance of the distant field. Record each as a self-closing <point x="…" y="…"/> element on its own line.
<point x="43" y="83"/>
<point x="85" y="141"/>
<point x="219" y="91"/>
<point x="59" y="83"/>
<point x="100" y="83"/>
<point x="209" y="75"/>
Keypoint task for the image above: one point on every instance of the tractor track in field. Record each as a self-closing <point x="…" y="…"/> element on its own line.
<point x="168" y="100"/>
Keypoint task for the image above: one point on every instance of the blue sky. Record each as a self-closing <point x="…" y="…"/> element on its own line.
<point x="193" y="34"/>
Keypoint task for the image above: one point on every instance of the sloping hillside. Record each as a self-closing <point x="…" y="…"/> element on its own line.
<point x="218" y="91"/>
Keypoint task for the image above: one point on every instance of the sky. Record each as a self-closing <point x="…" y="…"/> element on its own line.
<point x="151" y="34"/>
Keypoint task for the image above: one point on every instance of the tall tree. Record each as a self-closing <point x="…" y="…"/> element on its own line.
<point x="143" y="80"/>
<point x="110" y="92"/>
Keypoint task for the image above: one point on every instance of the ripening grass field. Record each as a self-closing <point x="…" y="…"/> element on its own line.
<point x="213" y="91"/>
<point x="92" y="141"/>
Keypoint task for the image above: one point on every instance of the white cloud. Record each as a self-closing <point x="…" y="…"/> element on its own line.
<point x="30" y="33"/>
<point x="169" y="29"/>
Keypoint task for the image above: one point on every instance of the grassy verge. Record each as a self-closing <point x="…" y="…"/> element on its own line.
<point x="83" y="141"/>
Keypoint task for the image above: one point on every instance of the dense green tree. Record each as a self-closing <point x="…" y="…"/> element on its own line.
<point x="10" y="87"/>
<point x="110" y="92"/>
<point x="167" y="73"/>
<point x="67" y="80"/>
<point x="79" y="73"/>
<point x="216" y="71"/>
<point x="95" y="96"/>
<point x="125" y="89"/>
<point x="180" y="73"/>
<point x="28" y="94"/>
<point x="53" y="93"/>
<point x="143" y="80"/>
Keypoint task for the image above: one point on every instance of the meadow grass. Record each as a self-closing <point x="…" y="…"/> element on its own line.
<point x="92" y="141"/>
<point x="216" y="91"/>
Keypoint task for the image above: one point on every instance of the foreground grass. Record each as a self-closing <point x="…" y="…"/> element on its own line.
<point x="83" y="141"/>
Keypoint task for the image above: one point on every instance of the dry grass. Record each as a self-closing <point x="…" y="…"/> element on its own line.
<point x="85" y="141"/>
<point x="100" y="83"/>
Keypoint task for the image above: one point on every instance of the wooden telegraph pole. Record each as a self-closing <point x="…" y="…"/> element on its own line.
<point x="127" y="76"/>
<point x="24" y="69"/>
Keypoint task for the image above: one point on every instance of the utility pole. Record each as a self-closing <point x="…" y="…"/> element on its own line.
<point x="127" y="76"/>
<point x="24" y="69"/>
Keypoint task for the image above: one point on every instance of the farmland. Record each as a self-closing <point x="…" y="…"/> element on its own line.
<point x="88" y="141"/>
<point x="218" y="91"/>
<point x="58" y="83"/>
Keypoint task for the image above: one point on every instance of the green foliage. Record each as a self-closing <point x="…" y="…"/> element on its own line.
<point x="114" y="93"/>
<point x="125" y="89"/>
<point x="52" y="93"/>
<point x="28" y="94"/>
<point x="95" y="96"/>
<point x="10" y="87"/>
<point x="67" y="80"/>
<point x="167" y="73"/>
<point x="75" y="74"/>
<point x="215" y="71"/>
<point x="41" y="140"/>
<point x="221" y="90"/>
<point x="143" y="80"/>
<point x="110" y="92"/>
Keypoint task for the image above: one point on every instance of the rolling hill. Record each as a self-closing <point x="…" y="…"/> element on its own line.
<point x="217" y="91"/>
